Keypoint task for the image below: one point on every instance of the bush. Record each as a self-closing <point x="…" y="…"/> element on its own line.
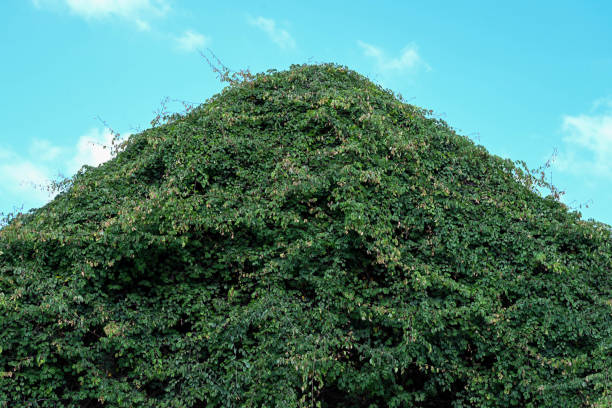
<point x="304" y="238"/>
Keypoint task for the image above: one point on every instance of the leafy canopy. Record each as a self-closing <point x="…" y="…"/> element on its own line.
<point x="304" y="238"/>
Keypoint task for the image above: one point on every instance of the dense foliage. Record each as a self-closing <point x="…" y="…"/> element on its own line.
<point x="305" y="238"/>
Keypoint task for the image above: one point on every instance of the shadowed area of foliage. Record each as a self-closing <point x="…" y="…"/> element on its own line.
<point x="304" y="238"/>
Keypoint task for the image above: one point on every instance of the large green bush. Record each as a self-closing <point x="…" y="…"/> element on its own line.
<point x="304" y="239"/>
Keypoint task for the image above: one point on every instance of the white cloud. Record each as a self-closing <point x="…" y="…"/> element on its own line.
<point x="191" y="41"/>
<point x="587" y="145"/>
<point x="281" y="37"/>
<point x="93" y="149"/>
<point x="26" y="178"/>
<point x="591" y="132"/>
<point x="409" y="59"/>
<point x="138" y="12"/>
<point x="23" y="177"/>
<point x="44" y="150"/>
<point x="602" y="104"/>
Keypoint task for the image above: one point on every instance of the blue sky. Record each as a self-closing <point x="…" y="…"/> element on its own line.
<point x="524" y="79"/>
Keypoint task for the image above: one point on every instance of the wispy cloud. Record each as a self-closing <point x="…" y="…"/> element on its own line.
<point x="409" y="58"/>
<point x="44" y="150"/>
<point x="191" y="40"/>
<point x="23" y="177"/>
<point x="587" y="147"/>
<point x="27" y="176"/>
<point x="137" y="12"/>
<point x="92" y="149"/>
<point x="281" y="37"/>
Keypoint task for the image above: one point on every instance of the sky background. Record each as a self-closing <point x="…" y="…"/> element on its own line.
<point x="524" y="79"/>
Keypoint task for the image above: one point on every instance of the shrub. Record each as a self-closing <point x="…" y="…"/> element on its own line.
<point x="304" y="238"/>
